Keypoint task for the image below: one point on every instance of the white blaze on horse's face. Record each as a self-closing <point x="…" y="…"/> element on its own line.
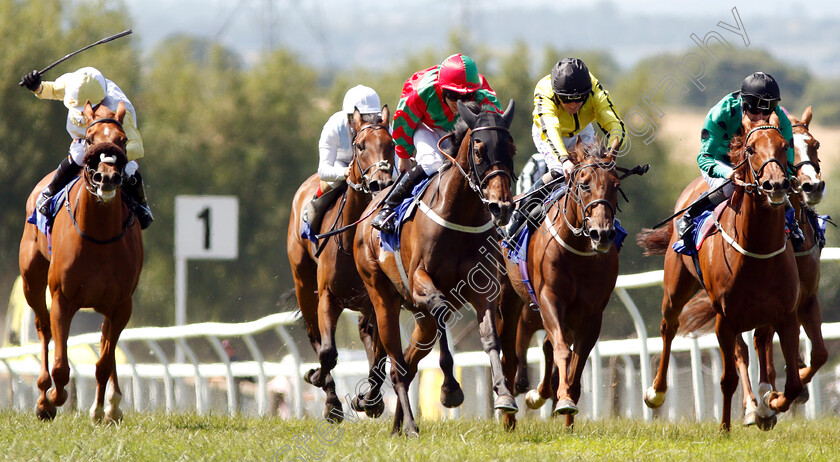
<point x="801" y="146"/>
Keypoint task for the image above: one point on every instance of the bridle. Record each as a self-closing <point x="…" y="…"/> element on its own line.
<point x="748" y="152"/>
<point x="382" y="165"/>
<point x="577" y="199"/>
<point x="92" y="177"/>
<point x="475" y="179"/>
<point x="807" y="161"/>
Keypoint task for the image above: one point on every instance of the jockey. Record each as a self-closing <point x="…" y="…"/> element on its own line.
<point x="75" y="89"/>
<point x="566" y="103"/>
<point x="758" y="98"/>
<point x="427" y="110"/>
<point x="335" y="149"/>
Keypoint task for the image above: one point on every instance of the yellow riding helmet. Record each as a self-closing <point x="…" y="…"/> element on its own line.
<point x="86" y="84"/>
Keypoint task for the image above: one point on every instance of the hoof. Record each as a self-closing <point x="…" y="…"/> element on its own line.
<point x="46" y="414"/>
<point x="750" y="415"/>
<point x="533" y="399"/>
<point x="308" y="376"/>
<point x="113" y="415"/>
<point x="803" y="397"/>
<point x="452" y="398"/>
<point x="57" y="397"/>
<point x="97" y="413"/>
<point x="766" y="394"/>
<point x="376" y="408"/>
<point x="766" y="423"/>
<point x="411" y="432"/>
<point x="654" y="399"/>
<point x="506" y="404"/>
<point x="357" y="403"/>
<point x="565" y="407"/>
<point x="334" y="412"/>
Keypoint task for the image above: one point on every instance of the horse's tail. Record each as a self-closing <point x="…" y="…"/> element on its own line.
<point x="655" y="241"/>
<point x="698" y="315"/>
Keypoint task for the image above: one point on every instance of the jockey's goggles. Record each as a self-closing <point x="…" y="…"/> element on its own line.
<point x="758" y="105"/>
<point x="578" y="98"/>
<point x="455" y="96"/>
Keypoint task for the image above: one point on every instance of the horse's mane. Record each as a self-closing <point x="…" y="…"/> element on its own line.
<point x="94" y="153"/>
<point x="736" y="147"/>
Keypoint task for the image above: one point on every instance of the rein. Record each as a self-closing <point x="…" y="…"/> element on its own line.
<point x="585" y="208"/>
<point x="126" y="225"/>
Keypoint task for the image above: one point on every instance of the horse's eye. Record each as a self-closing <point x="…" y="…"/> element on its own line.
<point x="88" y="141"/>
<point x="360" y="147"/>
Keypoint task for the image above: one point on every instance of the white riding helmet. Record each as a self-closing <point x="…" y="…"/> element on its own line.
<point x="361" y="97"/>
<point x="86" y="84"/>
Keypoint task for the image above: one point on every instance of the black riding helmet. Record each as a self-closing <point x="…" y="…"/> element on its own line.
<point x="570" y="80"/>
<point x="760" y="93"/>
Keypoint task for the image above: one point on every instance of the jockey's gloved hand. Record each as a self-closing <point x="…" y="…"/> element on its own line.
<point x="31" y="81"/>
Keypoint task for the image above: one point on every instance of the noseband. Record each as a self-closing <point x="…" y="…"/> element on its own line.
<point x="382" y="165"/>
<point x="584" y="209"/>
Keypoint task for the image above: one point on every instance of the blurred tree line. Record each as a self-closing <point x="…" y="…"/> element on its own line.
<point x="212" y="125"/>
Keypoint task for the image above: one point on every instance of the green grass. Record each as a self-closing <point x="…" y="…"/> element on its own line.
<point x="157" y="437"/>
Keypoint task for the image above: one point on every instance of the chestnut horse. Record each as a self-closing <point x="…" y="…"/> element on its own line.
<point x="93" y="260"/>
<point x="328" y="283"/>
<point x="747" y="268"/>
<point x="698" y="313"/>
<point x="439" y="256"/>
<point x="573" y="266"/>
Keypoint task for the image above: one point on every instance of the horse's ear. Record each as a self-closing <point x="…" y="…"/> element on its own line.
<point x="357" y="120"/>
<point x="576" y="153"/>
<point x="386" y="114"/>
<point x="468" y="116"/>
<point x="508" y="115"/>
<point x="774" y="119"/>
<point x="806" y="117"/>
<point x="87" y="111"/>
<point x="746" y="123"/>
<point x="120" y="114"/>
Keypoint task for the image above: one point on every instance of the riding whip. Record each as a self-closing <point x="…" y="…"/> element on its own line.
<point x="681" y="211"/>
<point x="65" y="58"/>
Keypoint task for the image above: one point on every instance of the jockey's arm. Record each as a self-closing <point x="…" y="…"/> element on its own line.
<point x="134" y="146"/>
<point x="608" y="117"/>
<point x="714" y="145"/>
<point x="406" y="118"/>
<point x="787" y="131"/>
<point x="328" y="152"/>
<point x="50" y="90"/>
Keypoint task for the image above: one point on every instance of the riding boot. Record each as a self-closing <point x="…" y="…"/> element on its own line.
<point x="383" y="220"/>
<point x="313" y="213"/>
<point x="685" y="225"/>
<point x="526" y="211"/>
<point x="797" y="237"/>
<point x="65" y="172"/>
<point x="137" y="193"/>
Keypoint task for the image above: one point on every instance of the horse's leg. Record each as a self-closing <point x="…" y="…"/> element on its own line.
<point x="451" y="394"/>
<point x="788" y="331"/>
<point x="514" y="367"/>
<point x="535" y="399"/>
<point x="729" y="381"/>
<point x="486" y="314"/>
<point x="34" y="290"/>
<point x="584" y="341"/>
<point x="371" y="402"/>
<point x="306" y="292"/>
<point x="386" y="303"/>
<point x="426" y="295"/>
<point x="742" y="362"/>
<point x="553" y="316"/>
<point x="529" y="323"/>
<point x="763" y="339"/>
<point x="106" y="367"/>
<point x="679" y="285"/>
<point x="60" y="316"/>
<point x="810" y="316"/>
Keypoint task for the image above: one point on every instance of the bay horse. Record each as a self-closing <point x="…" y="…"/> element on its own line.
<point x="93" y="260"/>
<point x="573" y="266"/>
<point x="327" y="283"/>
<point x="699" y="314"/>
<point x="748" y="270"/>
<point x="437" y="266"/>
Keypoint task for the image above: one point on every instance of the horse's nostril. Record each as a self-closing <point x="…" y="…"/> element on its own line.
<point x="495" y="208"/>
<point x="611" y="235"/>
<point x="807" y="187"/>
<point x="785" y="185"/>
<point x="97" y="177"/>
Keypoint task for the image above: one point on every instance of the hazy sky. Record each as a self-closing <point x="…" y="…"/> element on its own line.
<point x="322" y="30"/>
